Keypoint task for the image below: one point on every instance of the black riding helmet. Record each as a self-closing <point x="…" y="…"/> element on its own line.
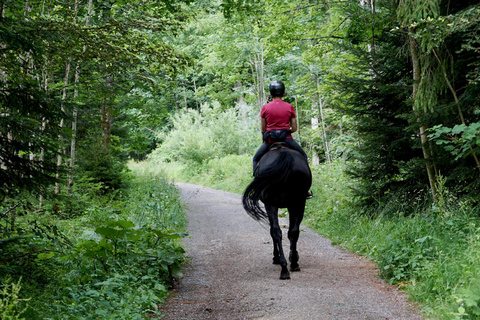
<point x="277" y="88"/>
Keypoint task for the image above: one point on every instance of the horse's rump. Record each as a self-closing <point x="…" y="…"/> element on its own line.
<point x="283" y="178"/>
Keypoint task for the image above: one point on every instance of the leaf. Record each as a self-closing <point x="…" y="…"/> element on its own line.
<point x="459" y="128"/>
<point x="176" y="271"/>
<point x="125" y="224"/>
<point x="45" y="255"/>
<point x="93" y="293"/>
<point x="110" y="233"/>
<point x="172" y="235"/>
<point x="422" y="240"/>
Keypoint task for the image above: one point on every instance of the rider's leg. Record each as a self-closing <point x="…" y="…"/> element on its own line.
<point x="295" y="146"/>
<point x="260" y="152"/>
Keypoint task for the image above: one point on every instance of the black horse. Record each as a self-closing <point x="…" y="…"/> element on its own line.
<point x="282" y="180"/>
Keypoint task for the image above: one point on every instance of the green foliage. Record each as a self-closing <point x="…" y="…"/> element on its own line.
<point x="66" y="71"/>
<point x="331" y="188"/>
<point x="189" y="141"/>
<point x="105" y="166"/>
<point x="121" y="269"/>
<point x="460" y="140"/>
<point x="387" y="157"/>
<point x="10" y="300"/>
<point x="230" y="173"/>
<point x="197" y="137"/>
<point x="105" y="256"/>
<point x="24" y="136"/>
<point x="432" y="253"/>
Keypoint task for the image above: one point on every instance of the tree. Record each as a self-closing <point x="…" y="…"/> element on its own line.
<point x="112" y="50"/>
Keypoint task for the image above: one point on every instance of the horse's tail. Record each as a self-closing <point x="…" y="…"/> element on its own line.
<point x="275" y="175"/>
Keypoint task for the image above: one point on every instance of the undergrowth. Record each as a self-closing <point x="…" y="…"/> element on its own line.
<point x="94" y="257"/>
<point x="432" y="253"/>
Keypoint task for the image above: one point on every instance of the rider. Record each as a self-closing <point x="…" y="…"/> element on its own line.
<point x="278" y="118"/>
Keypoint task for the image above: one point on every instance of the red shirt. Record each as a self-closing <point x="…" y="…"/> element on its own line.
<point x="278" y="114"/>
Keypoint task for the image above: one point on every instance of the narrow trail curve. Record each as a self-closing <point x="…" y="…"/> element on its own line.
<point x="231" y="275"/>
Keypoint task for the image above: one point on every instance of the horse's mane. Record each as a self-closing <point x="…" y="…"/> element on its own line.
<point x="275" y="175"/>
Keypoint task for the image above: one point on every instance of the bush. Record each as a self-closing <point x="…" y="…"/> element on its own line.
<point x="10" y="302"/>
<point x="121" y="271"/>
<point x="198" y="137"/>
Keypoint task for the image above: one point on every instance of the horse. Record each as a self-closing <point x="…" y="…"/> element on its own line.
<point x="282" y="180"/>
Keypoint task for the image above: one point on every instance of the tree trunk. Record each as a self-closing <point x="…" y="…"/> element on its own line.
<point x="370" y="4"/>
<point x="195" y="93"/>
<point x="314" y="127"/>
<point x="25" y="11"/>
<point x="324" y="130"/>
<point x="322" y="119"/>
<point x="73" y="143"/>
<point x="107" y="115"/>
<point x="298" y="121"/>
<point x="422" y="128"/>
<point x="258" y="75"/>
<point x="61" y="150"/>
<point x="185" y="100"/>
<point x="344" y="160"/>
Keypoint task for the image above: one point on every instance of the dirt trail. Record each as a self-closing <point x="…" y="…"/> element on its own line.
<point x="231" y="275"/>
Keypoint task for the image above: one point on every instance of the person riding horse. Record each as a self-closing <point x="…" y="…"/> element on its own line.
<point x="282" y="178"/>
<point x="278" y="121"/>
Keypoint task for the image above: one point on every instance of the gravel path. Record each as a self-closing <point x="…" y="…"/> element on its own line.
<point x="231" y="275"/>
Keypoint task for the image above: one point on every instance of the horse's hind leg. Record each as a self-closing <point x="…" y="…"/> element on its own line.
<point x="276" y="233"/>
<point x="276" y="252"/>
<point x="296" y="217"/>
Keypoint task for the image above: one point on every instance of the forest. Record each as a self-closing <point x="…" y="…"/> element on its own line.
<point x="105" y="103"/>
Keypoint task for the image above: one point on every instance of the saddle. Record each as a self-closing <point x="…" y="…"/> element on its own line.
<point x="278" y="145"/>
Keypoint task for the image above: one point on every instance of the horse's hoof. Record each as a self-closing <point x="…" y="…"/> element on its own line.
<point x="293" y="256"/>
<point x="294" y="268"/>
<point x="285" y="276"/>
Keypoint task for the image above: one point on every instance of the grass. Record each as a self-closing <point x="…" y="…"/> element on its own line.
<point x="432" y="254"/>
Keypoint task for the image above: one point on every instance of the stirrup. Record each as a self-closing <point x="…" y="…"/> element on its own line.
<point x="309" y="195"/>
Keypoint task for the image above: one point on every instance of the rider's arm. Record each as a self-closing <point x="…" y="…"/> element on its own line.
<point x="293" y="124"/>
<point x="264" y="125"/>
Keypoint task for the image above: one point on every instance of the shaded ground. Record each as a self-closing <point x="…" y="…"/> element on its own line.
<point x="231" y="275"/>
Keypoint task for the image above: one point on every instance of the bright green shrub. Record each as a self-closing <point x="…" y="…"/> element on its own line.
<point x="10" y="300"/>
<point x="199" y="136"/>
<point x="231" y="173"/>
<point x="121" y="271"/>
